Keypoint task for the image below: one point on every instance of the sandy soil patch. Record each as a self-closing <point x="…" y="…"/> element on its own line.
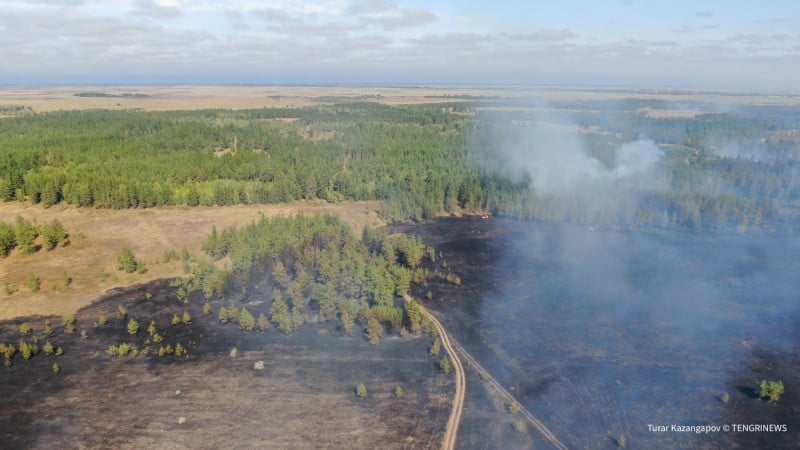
<point x="149" y="233"/>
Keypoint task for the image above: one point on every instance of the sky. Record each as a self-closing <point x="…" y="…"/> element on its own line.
<point x="728" y="44"/>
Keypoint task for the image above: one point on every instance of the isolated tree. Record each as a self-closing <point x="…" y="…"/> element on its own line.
<point x="436" y="347"/>
<point x="771" y="390"/>
<point x="52" y="233"/>
<point x="246" y="320"/>
<point x="262" y="323"/>
<point x="8" y="239"/>
<point x="25" y="234"/>
<point x="444" y="365"/>
<point x="127" y="261"/>
<point x="133" y="327"/>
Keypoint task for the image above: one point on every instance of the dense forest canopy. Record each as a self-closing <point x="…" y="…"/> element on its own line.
<point x="737" y="169"/>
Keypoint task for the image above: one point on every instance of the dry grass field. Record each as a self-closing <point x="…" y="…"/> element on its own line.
<point x="98" y="236"/>
<point x="161" y="98"/>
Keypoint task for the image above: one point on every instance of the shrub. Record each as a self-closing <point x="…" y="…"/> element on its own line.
<point x="186" y="318"/>
<point x="771" y="389"/>
<point x="436" y="347"/>
<point x="133" y="327"/>
<point x="726" y="397"/>
<point x="520" y="427"/>
<point x="66" y="279"/>
<point x="180" y="350"/>
<point x="444" y="365"/>
<point x="84" y="335"/>
<point x="259" y="365"/>
<point x="59" y="351"/>
<point x="206" y="308"/>
<point x="246" y="320"/>
<point x="263" y="323"/>
<point x="157" y="338"/>
<point x="53" y="233"/>
<point x="122" y="312"/>
<point x="69" y="323"/>
<point x="152" y="328"/>
<point x="127" y="261"/>
<point x="621" y="441"/>
<point x="102" y="320"/>
<point x="223" y="315"/>
<point x="514" y="407"/>
<point x="398" y="392"/>
<point x="34" y="284"/>
<point x="56" y="368"/>
<point x="9" y="289"/>
<point x="28" y="350"/>
<point x="8" y="239"/>
<point x="48" y="348"/>
<point x="361" y="390"/>
<point x="8" y="351"/>
<point x="48" y="331"/>
<point x="176" y="319"/>
<point x="123" y="350"/>
<point x="24" y="328"/>
<point x="374" y="330"/>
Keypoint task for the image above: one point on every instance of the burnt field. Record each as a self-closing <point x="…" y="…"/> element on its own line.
<point x="304" y="397"/>
<point x="600" y="334"/>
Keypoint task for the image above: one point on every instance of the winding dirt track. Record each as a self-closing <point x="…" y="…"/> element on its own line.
<point x="449" y="441"/>
<point x="546" y="433"/>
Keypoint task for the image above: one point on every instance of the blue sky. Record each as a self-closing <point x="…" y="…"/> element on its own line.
<point x="704" y="44"/>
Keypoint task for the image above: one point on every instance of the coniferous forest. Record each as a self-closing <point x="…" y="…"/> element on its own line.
<point x="735" y="170"/>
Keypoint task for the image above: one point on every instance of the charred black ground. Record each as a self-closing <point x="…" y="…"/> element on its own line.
<point x="602" y="333"/>
<point x="303" y="398"/>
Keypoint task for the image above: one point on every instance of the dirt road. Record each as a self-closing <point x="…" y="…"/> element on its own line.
<point x="453" y="349"/>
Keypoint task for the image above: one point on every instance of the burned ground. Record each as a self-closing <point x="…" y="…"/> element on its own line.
<point x="303" y="398"/>
<point x="601" y="333"/>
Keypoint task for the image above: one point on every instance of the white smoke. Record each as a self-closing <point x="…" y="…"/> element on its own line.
<point x="555" y="157"/>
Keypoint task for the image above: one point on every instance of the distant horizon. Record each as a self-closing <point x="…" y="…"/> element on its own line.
<point x="683" y="44"/>
<point x="643" y="88"/>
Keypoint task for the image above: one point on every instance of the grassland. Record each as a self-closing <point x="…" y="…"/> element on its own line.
<point x="98" y="236"/>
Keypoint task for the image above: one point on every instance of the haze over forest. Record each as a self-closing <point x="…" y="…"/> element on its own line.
<point x="699" y="44"/>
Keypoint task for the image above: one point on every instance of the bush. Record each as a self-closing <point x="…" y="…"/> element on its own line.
<point x="771" y="389"/>
<point x="66" y="279"/>
<point x="48" y="348"/>
<point x="53" y="233"/>
<point x="24" y="328"/>
<point x="122" y="312"/>
<point x="263" y="323"/>
<point x="436" y="347"/>
<point x="206" y="308"/>
<point x="398" y="392"/>
<point x="56" y="368"/>
<point x="69" y="323"/>
<point x="8" y="351"/>
<point x="186" y="318"/>
<point x="102" y="319"/>
<point x="246" y="320"/>
<point x="520" y="427"/>
<point x="176" y="319"/>
<point x="514" y="407"/>
<point x="127" y="261"/>
<point x="361" y="390"/>
<point x="133" y="327"/>
<point x="33" y="283"/>
<point x="444" y="365"/>
<point x="8" y="239"/>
